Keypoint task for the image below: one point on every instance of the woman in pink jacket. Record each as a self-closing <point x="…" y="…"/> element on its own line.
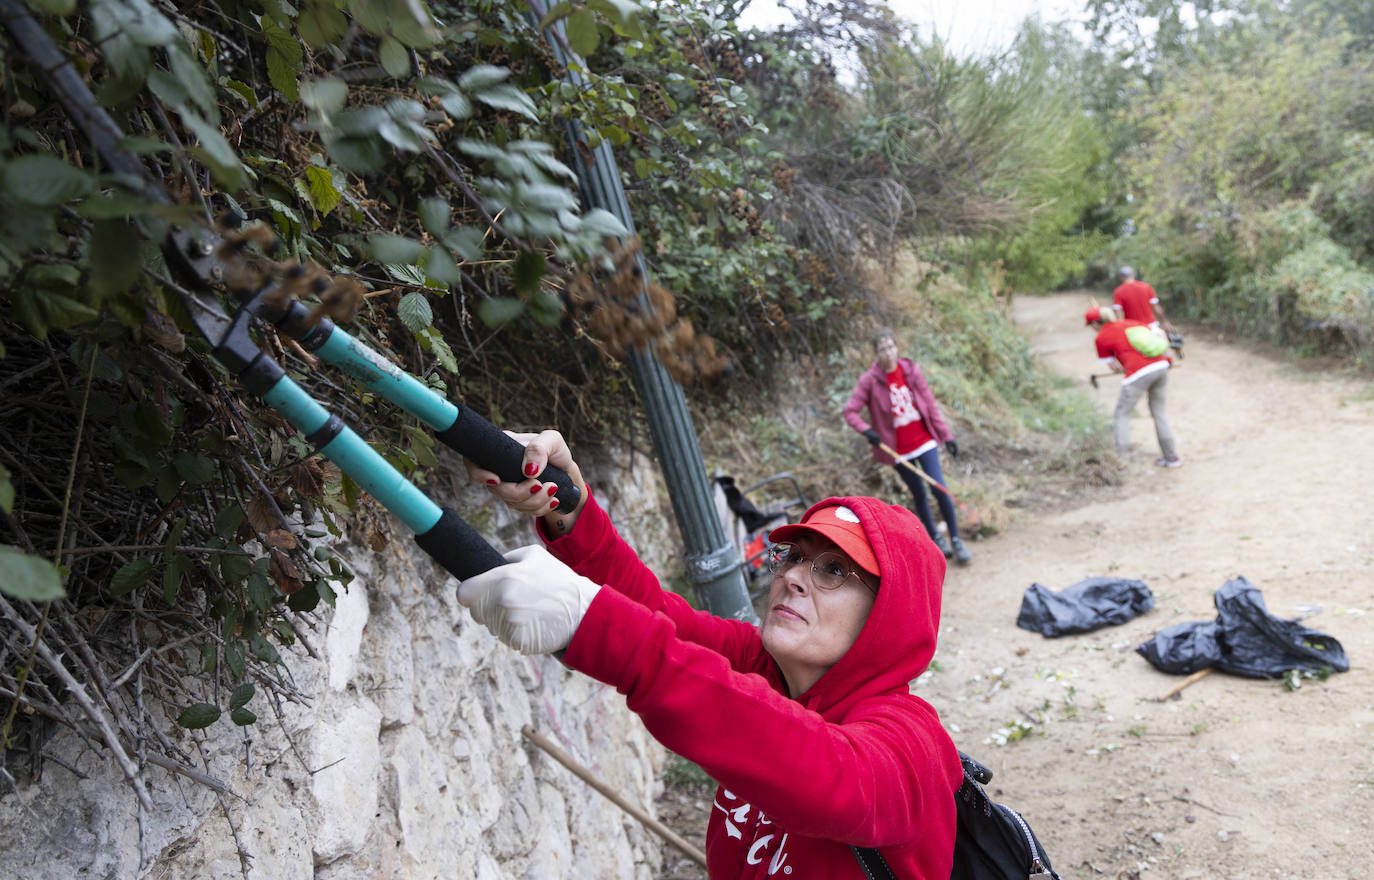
<point x="903" y="416"/>
<point x="805" y="722"/>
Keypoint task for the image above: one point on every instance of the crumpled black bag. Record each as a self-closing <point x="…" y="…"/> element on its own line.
<point x="1245" y="639"/>
<point x="1087" y="605"/>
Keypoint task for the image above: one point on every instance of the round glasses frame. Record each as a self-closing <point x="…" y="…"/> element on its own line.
<point x="829" y="570"/>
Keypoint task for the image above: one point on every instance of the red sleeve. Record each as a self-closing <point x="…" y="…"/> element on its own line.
<point x="1104" y="351"/>
<point x="814" y="777"/>
<point x="595" y="550"/>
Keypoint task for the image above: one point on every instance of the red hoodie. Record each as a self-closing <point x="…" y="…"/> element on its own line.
<point x="856" y="759"/>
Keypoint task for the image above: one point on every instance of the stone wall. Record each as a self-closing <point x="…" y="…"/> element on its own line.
<point x="405" y="761"/>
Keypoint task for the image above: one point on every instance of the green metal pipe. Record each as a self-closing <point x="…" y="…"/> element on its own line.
<point x="714" y="567"/>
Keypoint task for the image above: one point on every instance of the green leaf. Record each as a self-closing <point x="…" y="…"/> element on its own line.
<point x="195" y="469"/>
<point x="439" y="267"/>
<point x="321" y="23"/>
<point x="395" y="58"/>
<point x="130" y="577"/>
<point x="263" y="650"/>
<point x="193" y="81"/>
<point x="415" y="312"/>
<point x="482" y="76"/>
<point x="243" y="90"/>
<point x="132" y="474"/>
<point x="582" y="35"/>
<point x="508" y="97"/>
<point x="113" y="205"/>
<point x="198" y="715"/>
<point x="434" y="214"/>
<point x="557" y="11"/>
<point x="241" y="695"/>
<point x="242" y="717"/>
<point x="173" y="576"/>
<point x="227" y="521"/>
<point x="395" y="249"/>
<point x="499" y="311"/>
<point x="223" y="161"/>
<point x="260" y="591"/>
<point x="326" y="95"/>
<point x="603" y="222"/>
<point x="54" y="7"/>
<point x="466" y="241"/>
<point x="529" y="269"/>
<point x="283" y="58"/>
<point x="323" y="194"/>
<point x="6" y="489"/>
<point x="233" y="658"/>
<point x="431" y="339"/>
<point x="174" y="535"/>
<point x="28" y="577"/>
<point x="45" y="181"/>
<point x="114" y="261"/>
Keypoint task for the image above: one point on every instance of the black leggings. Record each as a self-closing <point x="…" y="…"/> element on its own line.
<point x="930" y="463"/>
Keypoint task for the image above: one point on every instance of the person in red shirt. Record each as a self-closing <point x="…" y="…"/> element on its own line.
<point x="1135" y="300"/>
<point x="903" y="415"/>
<point x="1119" y="345"/>
<point x="806" y="722"/>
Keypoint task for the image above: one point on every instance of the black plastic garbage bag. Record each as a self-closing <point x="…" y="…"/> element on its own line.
<point x="1245" y="639"/>
<point x="1087" y="605"/>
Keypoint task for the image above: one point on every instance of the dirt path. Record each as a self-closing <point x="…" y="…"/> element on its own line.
<point x="1235" y="778"/>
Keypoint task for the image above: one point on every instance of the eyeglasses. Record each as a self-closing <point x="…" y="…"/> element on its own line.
<point x="829" y="570"/>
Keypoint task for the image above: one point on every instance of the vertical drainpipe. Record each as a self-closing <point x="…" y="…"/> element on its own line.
<point x="714" y="567"/>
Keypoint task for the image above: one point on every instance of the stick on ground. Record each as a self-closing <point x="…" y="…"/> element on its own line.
<point x="1176" y="689"/>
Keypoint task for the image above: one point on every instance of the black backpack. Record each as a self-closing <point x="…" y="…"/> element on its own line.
<point x="991" y="841"/>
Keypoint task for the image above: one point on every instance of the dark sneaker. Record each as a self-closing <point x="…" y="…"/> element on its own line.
<point x="961" y="554"/>
<point x="940" y="542"/>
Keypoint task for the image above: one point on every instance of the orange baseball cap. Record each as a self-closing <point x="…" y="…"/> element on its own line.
<point x="841" y="525"/>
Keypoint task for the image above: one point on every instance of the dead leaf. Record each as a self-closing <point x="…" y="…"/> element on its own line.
<point x="262" y="514"/>
<point x="280" y="539"/>
<point x="307" y="478"/>
<point x="285" y="573"/>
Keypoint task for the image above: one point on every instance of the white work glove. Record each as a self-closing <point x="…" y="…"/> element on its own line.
<point x="533" y="603"/>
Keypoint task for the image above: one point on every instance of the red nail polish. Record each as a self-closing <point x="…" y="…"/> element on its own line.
<point x="553" y="505"/>
<point x="534" y="490"/>
<point x="530" y="469"/>
<point x="552" y="489"/>
<point x="493" y="482"/>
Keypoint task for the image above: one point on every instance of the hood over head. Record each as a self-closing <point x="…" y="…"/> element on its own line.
<point x="898" y="639"/>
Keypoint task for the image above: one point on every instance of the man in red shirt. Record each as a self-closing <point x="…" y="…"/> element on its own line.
<point x="1133" y="349"/>
<point x="1135" y="300"/>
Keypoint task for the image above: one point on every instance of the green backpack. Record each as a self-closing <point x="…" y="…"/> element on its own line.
<point x="1147" y="341"/>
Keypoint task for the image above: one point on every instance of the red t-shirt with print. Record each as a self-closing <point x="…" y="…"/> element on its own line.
<point x="1112" y="343"/>
<point x="912" y="433"/>
<point x="1137" y="300"/>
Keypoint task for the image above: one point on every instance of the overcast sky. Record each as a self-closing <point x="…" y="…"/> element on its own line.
<point x="968" y="27"/>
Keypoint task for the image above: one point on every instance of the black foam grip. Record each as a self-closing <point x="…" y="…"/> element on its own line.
<point x="489" y="447"/>
<point x="458" y="548"/>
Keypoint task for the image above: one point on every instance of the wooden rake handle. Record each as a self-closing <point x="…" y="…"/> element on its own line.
<point x="915" y="470"/>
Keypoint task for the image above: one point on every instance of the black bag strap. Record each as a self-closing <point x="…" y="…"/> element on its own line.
<point x="875" y="867"/>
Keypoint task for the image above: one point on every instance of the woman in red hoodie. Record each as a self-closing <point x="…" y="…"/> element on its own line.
<point x="806" y="722"/>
